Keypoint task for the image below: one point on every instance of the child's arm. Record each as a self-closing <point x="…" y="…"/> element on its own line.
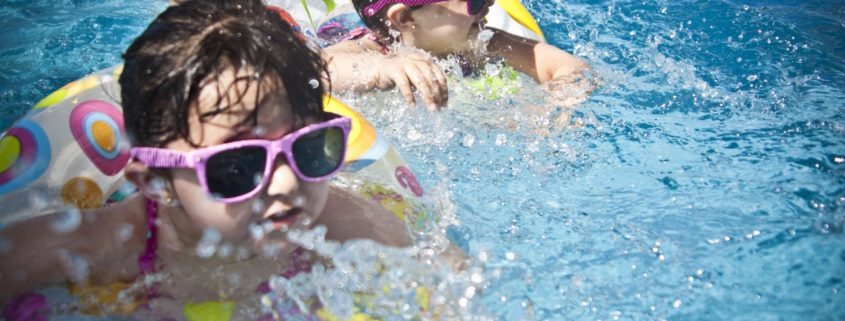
<point x="541" y="61"/>
<point x="47" y="249"/>
<point x="352" y="67"/>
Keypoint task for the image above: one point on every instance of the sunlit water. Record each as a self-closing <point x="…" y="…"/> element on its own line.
<point x="703" y="180"/>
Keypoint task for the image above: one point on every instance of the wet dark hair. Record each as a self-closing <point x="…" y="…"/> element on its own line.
<point x="190" y="45"/>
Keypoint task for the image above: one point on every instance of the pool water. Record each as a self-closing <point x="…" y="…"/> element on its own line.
<point x="703" y="180"/>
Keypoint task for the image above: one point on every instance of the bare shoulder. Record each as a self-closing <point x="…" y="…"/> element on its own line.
<point x="48" y="248"/>
<point x="349" y="216"/>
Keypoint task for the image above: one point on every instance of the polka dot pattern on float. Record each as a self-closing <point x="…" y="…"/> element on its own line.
<point x="83" y="193"/>
<point x="406" y="179"/>
<point x="98" y="128"/>
<point x="24" y="155"/>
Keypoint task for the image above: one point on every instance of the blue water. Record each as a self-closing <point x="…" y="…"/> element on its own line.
<point x="703" y="180"/>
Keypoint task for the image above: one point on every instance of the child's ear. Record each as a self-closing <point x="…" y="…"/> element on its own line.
<point x="399" y="16"/>
<point x="150" y="184"/>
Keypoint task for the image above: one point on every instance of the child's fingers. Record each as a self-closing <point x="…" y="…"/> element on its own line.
<point x="436" y="80"/>
<point x="430" y="78"/>
<point x="401" y="81"/>
<point x="442" y="84"/>
<point x="416" y="75"/>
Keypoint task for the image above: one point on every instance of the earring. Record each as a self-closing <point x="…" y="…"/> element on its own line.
<point x="170" y="201"/>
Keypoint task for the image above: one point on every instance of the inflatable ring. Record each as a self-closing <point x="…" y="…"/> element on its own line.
<point x="330" y="18"/>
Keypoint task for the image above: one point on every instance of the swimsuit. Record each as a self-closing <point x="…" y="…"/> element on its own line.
<point x="35" y="306"/>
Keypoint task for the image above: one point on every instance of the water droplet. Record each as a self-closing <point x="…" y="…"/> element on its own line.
<point x="225" y="250"/>
<point x="208" y="243"/>
<point x="676" y="304"/>
<point x="510" y="256"/>
<point x="257" y="206"/>
<point x="75" y="266"/>
<point x="476" y="278"/>
<point x="269" y="250"/>
<point x="259" y="131"/>
<point x="470" y="292"/>
<point x="485" y="35"/>
<point x="314" y="83"/>
<point x="615" y="314"/>
<point x="37" y="202"/>
<point x="256" y="232"/>
<point x="751" y="77"/>
<point x="267" y="226"/>
<point x="124" y="232"/>
<point x="67" y="221"/>
<point x="468" y="140"/>
<point x="483" y="256"/>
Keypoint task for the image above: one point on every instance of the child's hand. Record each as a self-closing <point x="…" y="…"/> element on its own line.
<point x="352" y="68"/>
<point x="413" y="70"/>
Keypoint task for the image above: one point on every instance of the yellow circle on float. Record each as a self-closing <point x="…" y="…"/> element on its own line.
<point x="82" y="192"/>
<point x="10" y="150"/>
<point x="103" y="135"/>
<point x="52" y="99"/>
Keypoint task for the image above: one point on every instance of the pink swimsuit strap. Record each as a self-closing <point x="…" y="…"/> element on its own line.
<point x="147" y="259"/>
<point x="362" y="32"/>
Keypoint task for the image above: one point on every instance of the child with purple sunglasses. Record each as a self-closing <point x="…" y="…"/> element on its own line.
<point x="223" y="107"/>
<point x="451" y="27"/>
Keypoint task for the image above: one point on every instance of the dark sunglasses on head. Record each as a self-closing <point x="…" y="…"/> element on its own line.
<point x="473" y="6"/>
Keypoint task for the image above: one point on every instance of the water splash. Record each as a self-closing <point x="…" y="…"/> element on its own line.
<point x="362" y="276"/>
<point x="67" y="221"/>
<point x="207" y="245"/>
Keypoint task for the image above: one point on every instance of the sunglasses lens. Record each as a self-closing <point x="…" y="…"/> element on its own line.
<point x="235" y="172"/>
<point x="474" y="6"/>
<point x="320" y="152"/>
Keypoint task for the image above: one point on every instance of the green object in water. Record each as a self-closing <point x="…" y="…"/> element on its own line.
<point x="209" y="311"/>
<point x="503" y="83"/>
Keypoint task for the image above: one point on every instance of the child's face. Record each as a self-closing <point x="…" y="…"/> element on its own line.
<point x="445" y="28"/>
<point x="285" y="202"/>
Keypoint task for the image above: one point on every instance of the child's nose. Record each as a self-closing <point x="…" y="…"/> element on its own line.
<point x="283" y="181"/>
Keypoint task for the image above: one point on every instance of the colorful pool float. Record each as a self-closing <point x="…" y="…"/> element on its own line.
<point x="507" y="15"/>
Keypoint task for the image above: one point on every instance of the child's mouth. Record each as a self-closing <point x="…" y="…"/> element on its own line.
<point x="281" y="221"/>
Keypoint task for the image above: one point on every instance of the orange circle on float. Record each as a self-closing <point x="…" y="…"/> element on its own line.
<point x="103" y="135"/>
<point x="10" y="150"/>
<point x="82" y="192"/>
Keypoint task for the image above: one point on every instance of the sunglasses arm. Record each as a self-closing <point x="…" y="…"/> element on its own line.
<point x="162" y="158"/>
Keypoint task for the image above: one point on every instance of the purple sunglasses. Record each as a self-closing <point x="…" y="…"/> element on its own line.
<point x="473" y="6"/>
<point x="234" y="172"/>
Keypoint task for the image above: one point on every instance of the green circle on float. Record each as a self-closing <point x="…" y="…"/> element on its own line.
<point x="10" y="150"/>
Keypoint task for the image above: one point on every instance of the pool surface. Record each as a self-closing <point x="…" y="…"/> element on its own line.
<point x="703" y="180"/>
